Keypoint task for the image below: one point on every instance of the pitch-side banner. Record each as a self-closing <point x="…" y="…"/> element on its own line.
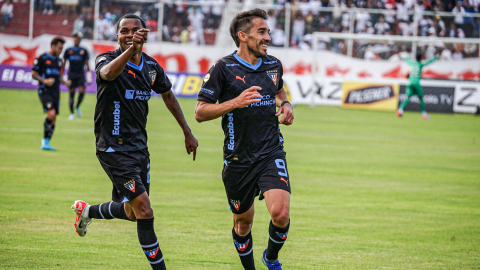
<point x="18" y="50"/>
<point x="371" y="96"/>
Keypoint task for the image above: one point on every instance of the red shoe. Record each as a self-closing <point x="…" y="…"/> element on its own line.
<point x="399" y="113"/>
<point x="426" y="117"/>
<point x="81" y="222"/>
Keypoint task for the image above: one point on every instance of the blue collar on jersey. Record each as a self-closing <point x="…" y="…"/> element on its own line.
<point x="75" y="48"/>
<point x="50" y="56"/>
<point x="245" y="63"/>
<point x="132" y="65"/>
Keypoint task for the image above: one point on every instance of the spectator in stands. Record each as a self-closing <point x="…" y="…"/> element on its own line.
<point x="361" y="18"/>
<point x="7" y="13"/>
<point x="196" y="21"/>
<point x="452" y="30"/>
<point x="217" y="11"/>
<point x="381" y="26"/>
<point x="446" y="54"/>
<point x="272" y="19"/>
<point x="458" y="54"/>
<point x="467" y="20"/>
<point x="278" y="36"/>
<point x="46" y="3"/>
<point x="298" y="28"/>
<point x="459" y="12"/>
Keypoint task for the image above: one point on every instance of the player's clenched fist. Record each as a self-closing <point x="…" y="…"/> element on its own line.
<point x="287" y="117"/>
<point x="248" y="97"/>
<point x="139" y="37"/>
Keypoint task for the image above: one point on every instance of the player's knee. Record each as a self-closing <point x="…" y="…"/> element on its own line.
<point x="281" y="218"/>
<point x="242" y="228"/>
<point x="144" y="212"/>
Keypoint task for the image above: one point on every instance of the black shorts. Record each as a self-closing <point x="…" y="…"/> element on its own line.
<point x="129" y="172"/>
<point x="49" y="102"/>
<point x="243" y="184"/>
<point x="77" y="81"/>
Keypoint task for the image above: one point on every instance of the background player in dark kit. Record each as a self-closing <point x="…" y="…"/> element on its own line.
<point x="47" y="70"/>
<point x="248" y="86"/>
<point x="125" y="78"/>
<point x="78" y="58"/>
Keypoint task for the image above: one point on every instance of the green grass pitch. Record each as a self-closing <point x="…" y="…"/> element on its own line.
<point x="370" y="191"/>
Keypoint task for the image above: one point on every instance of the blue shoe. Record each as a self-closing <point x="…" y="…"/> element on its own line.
<point x="79" y="113"/>
<point x="46" y="145"/>
<point x="271" y="266"/>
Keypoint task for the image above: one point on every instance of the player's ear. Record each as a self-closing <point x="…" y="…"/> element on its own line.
<point x="242" y="36"/>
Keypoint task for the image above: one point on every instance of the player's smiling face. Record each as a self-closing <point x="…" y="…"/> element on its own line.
<point x="126" y="29"/>
<point x="258" y="38"/>
<point x="57" y="49"/>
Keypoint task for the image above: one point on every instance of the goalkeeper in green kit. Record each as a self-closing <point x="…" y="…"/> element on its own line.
<point x="414" y="87"/>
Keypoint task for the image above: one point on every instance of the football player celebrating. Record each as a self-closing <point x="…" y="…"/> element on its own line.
<point x="248" y="86"/>
<point x="121" y="137"/>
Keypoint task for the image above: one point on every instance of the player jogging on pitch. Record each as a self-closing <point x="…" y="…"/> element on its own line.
<point x="125" y="78"/>
<point x="47" y="70"/>
<point x="248" y="86"/>
<point x="78" y="58"/>
<point x="414" y="87"/>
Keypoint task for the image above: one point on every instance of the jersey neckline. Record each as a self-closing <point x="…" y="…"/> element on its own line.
<point x="245" y="63"/>
<point x="132" y="65"/>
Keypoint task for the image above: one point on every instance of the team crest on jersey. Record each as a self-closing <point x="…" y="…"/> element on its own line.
<point x="153" y="75"/>
<point x="82" y="52"/>
<point x="48" y="62"/>
<point x="235" y="204"/>
<point x="273" y="75"/>
<point x="152" y="253"/>
<point x="130" y="185"/>
<point x="282" y="235"/>
<point x="240" y="246"/>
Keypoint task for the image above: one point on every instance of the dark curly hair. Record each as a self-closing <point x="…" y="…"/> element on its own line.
<point x="243" y="22"/>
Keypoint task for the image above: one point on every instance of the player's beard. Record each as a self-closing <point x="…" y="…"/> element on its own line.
<point x="257" y="50"/>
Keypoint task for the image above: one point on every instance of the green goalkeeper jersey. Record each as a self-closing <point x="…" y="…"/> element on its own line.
<point x="416" y="73"/>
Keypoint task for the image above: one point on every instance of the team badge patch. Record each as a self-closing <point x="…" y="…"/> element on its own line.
<point x="240" y="246"/>
<point x="282" y="235"/>
<point x="235" y="204"/>
<point x="130" y="185"/>
<point x="152" y="253"/>
<point x="153" y="76"/>
<point x="273" y="76"/>
<point x="81" y="52"/>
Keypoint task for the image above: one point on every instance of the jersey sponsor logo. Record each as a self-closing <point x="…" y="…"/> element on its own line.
<point x="151" y="253"/>
<point x="133" y="73"/>
<point x="266" y="100"/>
<point x="232" y="65"/>
<point x="129" y="94"/>
<point x="207" y="91"/>
<point x="242" y="246"/>
<point x="231" y="132"/>
<point x="153" y="75"/>
<point x="151" y="62"/>
<point x="116" y="119"/>
<point x="235" y="204"/>
<point x="283" y="179"/>
<point x="75" y="58"/>
<point x="282" y="235"/>
<point x="52" y="71"/>
<point x="240" y="78"/>
<point x="271" y="62"/>
<point x="130" y="185"/>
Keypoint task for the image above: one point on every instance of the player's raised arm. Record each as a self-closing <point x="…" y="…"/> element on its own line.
<point x="173" y="106"/>
<point x="131" y="40"/>
<point x="207" y="111"/>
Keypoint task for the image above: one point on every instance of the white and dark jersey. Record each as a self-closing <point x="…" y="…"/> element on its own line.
<point x="122" y="104"/>
<point x="251" y="133"/>
<point x="77" y="57"/>
<point x="48" y="66"/>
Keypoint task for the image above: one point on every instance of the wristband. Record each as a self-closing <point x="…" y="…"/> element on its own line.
<point x="283" y="103"/>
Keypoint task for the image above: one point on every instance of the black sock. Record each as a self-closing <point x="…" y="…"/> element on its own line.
<point x="71" y="101"/>
<point x="80" y="99"/>
<point x="148" y="241"/>
<point x="48" y="128"/>
<point x="108" y="210"/>
<point x="244" y="246"/>
<point x="278" y="236"/>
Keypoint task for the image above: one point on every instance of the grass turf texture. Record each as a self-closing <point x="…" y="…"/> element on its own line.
<point x="370" y="191"/>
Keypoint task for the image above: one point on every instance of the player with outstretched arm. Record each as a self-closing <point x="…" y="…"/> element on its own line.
<point x="125" y="78"/>
<point x="248" y="86"/>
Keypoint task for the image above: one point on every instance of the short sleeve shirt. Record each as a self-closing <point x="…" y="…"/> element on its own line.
<point x="48" y="66"/>
<point x="122" y="104"/>
<point x="77" y="57"/>
<point x="251" y="133"/>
